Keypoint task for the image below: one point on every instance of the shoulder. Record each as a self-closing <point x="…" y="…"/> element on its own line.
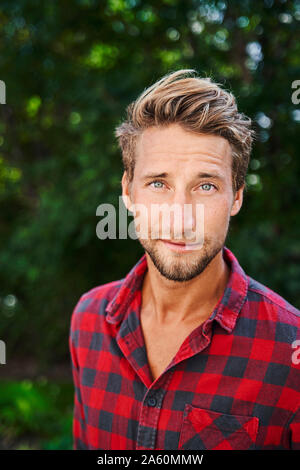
<point x="94" y="301"/>
<point x="271" y="307"/>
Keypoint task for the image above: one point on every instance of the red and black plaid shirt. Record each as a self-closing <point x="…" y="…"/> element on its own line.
<point x="233" y="384"/>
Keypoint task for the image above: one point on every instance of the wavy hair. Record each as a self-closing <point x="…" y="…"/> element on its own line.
<point x="198" y="105"/>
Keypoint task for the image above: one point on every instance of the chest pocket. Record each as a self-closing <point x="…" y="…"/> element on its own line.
<point x="204" y="429"/>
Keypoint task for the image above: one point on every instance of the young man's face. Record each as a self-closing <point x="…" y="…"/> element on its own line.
<point x="182" y="157"/>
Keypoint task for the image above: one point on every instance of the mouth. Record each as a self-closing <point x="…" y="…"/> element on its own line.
<point x="181" y="246"/>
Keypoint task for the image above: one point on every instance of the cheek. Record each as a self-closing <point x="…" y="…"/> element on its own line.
<point x="217" y="215"/>
<point x="147" y="205"/>
<point x="144" y="221"/>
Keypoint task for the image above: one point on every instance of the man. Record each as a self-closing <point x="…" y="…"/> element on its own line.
<point x="186" y="351"/>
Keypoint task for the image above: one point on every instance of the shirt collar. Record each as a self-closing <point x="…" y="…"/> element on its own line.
<point x="225" y="313"/>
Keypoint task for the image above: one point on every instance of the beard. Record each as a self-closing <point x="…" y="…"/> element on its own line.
<point x="182" y="267"/>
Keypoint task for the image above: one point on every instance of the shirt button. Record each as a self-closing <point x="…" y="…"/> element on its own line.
<point x="151" y="401"/>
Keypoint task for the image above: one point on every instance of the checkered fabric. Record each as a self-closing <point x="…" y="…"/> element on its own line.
<point x="233" y="384"/>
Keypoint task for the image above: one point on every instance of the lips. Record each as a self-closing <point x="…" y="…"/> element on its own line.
<point x="181" y="247"/>
<point x="175" y="243"/>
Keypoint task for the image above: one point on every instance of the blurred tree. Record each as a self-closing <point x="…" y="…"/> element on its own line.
<point x="70" y="69"/>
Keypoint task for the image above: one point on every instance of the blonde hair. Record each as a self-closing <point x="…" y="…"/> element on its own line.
<point x="198" y="105"/>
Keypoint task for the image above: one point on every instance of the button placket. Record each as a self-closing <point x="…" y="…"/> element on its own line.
<point x="150" y="411"/>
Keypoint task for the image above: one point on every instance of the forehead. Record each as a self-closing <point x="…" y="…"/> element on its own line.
<point x="177" y="148"/>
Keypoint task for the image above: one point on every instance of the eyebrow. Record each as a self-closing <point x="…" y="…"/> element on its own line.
<point x="198" y="175"/>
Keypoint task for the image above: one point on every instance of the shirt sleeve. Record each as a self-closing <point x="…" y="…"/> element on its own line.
<point x="78" y="424"/>
<point x="295" y="430"/>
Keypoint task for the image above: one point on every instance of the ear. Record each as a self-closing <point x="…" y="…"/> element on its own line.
<point x="126" y="192"/>
<point x="238" y="201"/>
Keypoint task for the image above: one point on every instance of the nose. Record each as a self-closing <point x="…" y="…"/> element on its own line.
<point x="183" y="222"/>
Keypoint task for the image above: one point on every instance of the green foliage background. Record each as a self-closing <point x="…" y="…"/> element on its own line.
<point x="71" y="68"/>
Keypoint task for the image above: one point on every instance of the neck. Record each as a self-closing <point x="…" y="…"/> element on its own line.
<point x="170" y="303"/>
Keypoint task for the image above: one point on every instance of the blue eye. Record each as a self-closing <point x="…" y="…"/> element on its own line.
<point x="159" y="182"/>
<point x="207" y="184"/>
